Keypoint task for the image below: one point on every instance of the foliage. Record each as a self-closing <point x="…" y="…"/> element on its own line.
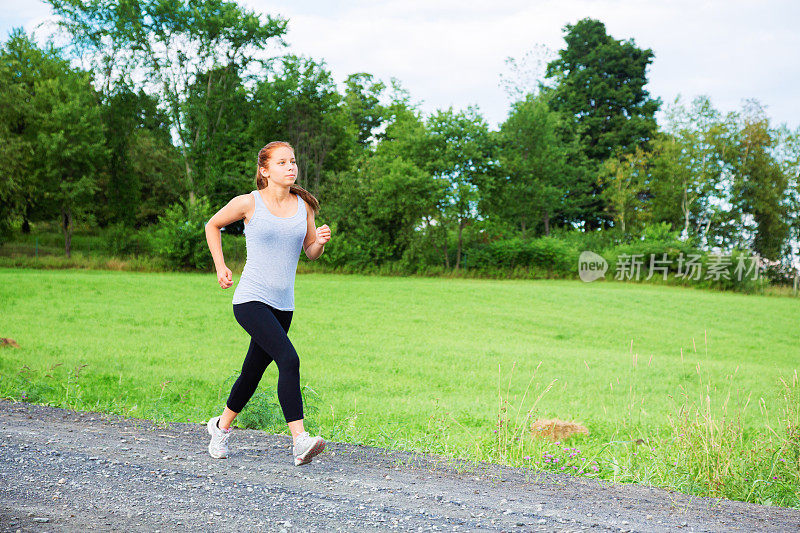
<point x="362" y="100"/>
<point x="624" y="180"/>
<point x="142" y="161"/>
<point x="546" y="254"/>
<point x="298" y="102"/>
<point x="56" y="135"/>
<point x="263" y="411"/>
<point x="460" y="156"/>
<point x="538" y="179"/>
<point x="173" y="43"/>
<point x="180" y="237"/>
<point x="599" y="83"/>
<point x="760" y="186"/>
<point x="176" y="105"/>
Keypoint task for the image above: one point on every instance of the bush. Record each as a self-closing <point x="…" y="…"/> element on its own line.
<point x="263" y="411"/>
<point x="180" y="236"/>
<point x="121" y="240"/>
<point x="546" y="253"/>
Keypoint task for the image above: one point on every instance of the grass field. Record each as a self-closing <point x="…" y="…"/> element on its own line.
<point x="433" y="364"/>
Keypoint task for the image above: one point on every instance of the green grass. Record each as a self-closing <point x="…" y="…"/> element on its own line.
<point x="429" y="364"/>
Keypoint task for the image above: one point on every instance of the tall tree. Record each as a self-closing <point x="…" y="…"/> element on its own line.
<point x="362" y="99"/>
<point x="689" y="169"/>
<point x="599" y="82"/>
<point x="461" y="155"/>
<point x="383" y="204"/>
<point x="298" y="102"/>
<point x="125" y="113"/>
<point x="59" y="127"/>
<point x="22" y="65"/>
<point x="536" y="173"/>
<point x="760" y="186"/>
<point x="218" y="120"/>
<point x="20" y="61"/>
<point x="165" y="45"/>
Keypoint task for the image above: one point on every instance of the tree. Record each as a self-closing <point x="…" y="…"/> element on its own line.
<point x="460" y="156"/>
<point x="158" y="165"/>
<point x="57" y="136"/>
<point x="127" y="115"/>
<point x="71" y="144"/>
<point x="164" y="46"/>
<point x="536" y="173"/>
<point x="624" y="180"/>
<point x="760" y="186"/>
<point x="524" y="76"/>
<point x="22" y="66"/>
<point x="218" y="113"/>
<point x="377" y="206"/>
<point x="298" y="102"/>
<point x="599" y="82"/>
<point x="383" y="203"/>
<point x="362" y="99"/>
<point x="689" y="168"/>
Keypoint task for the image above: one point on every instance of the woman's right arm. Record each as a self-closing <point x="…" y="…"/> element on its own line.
<point x="235" y="210"/>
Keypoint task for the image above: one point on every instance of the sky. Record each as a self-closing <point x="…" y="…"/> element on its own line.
<point x="453" y="52"/>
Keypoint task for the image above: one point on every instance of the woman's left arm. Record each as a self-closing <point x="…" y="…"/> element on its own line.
<point x="316" y="237"/>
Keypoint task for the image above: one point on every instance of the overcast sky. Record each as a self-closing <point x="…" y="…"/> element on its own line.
<point x="452" y="52"/>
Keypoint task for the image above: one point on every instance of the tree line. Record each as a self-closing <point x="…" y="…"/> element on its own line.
<point x="173" y="100"/>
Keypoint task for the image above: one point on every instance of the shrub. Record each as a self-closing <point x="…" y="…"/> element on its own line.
<point x="546" y="253"/>
<point x="263" y="411"/>
<point x="122" y="240"/>
<point x="180" y="237"/>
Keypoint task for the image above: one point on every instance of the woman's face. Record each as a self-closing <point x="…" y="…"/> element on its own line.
<point x="281" y="167"/>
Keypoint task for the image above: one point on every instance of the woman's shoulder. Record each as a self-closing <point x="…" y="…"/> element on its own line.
<point x="243" y="204"/>
<point x="244" y="199"/>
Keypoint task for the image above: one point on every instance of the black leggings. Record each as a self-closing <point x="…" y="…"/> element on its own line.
<point x="267" y="327"/>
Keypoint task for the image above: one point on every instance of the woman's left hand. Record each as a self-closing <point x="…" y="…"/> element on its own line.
<point x="323" y="234"/>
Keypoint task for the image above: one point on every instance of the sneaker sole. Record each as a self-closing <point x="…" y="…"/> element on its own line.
<point x="306" y="457"/>
<point x="211" y="452"/>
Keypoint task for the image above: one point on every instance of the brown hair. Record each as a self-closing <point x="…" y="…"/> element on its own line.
<point x="262" y="182"/>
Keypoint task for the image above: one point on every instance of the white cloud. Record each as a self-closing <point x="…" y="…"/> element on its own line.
<point x="451" y="52"/>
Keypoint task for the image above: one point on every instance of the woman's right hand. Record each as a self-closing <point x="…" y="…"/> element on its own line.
<point x="225" y="277"/>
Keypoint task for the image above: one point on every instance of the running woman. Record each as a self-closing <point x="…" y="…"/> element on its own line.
<point x="279" y="222"/>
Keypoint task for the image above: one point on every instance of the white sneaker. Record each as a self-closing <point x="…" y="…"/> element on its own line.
<point x="218" y="447"/>
<point x="306" y="447"/>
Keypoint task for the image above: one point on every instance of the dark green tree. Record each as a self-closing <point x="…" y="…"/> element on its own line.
<point x="760" y="186"/>
<point x="22" y="65"/>
<point x="218" y="111"/>
<point x="129" y="117"/>
<point x="298" y="102"/>
<point x="460" y="156"/>
<point x="599" y="83"/>
<point x="57" y="134"/>
<point x="169" y="45"/>
<point x="362" y="100"/>
<point x="71" y="144"/>
<point x="540" y="171"/>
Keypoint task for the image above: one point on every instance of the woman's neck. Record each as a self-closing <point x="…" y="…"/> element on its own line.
<point x="277" y="193"/>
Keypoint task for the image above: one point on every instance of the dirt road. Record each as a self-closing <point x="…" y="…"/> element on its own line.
<point x="67" y="471"/>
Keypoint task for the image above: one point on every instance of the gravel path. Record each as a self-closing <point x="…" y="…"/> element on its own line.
<point x="66" y="471"/>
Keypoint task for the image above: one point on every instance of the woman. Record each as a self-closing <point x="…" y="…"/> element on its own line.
<point x="279" y="221"/>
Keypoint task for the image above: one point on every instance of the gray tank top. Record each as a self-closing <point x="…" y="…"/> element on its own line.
<point x="273" y="250"/>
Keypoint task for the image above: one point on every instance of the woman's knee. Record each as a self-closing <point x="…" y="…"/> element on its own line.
<point x="289" y="362"/>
